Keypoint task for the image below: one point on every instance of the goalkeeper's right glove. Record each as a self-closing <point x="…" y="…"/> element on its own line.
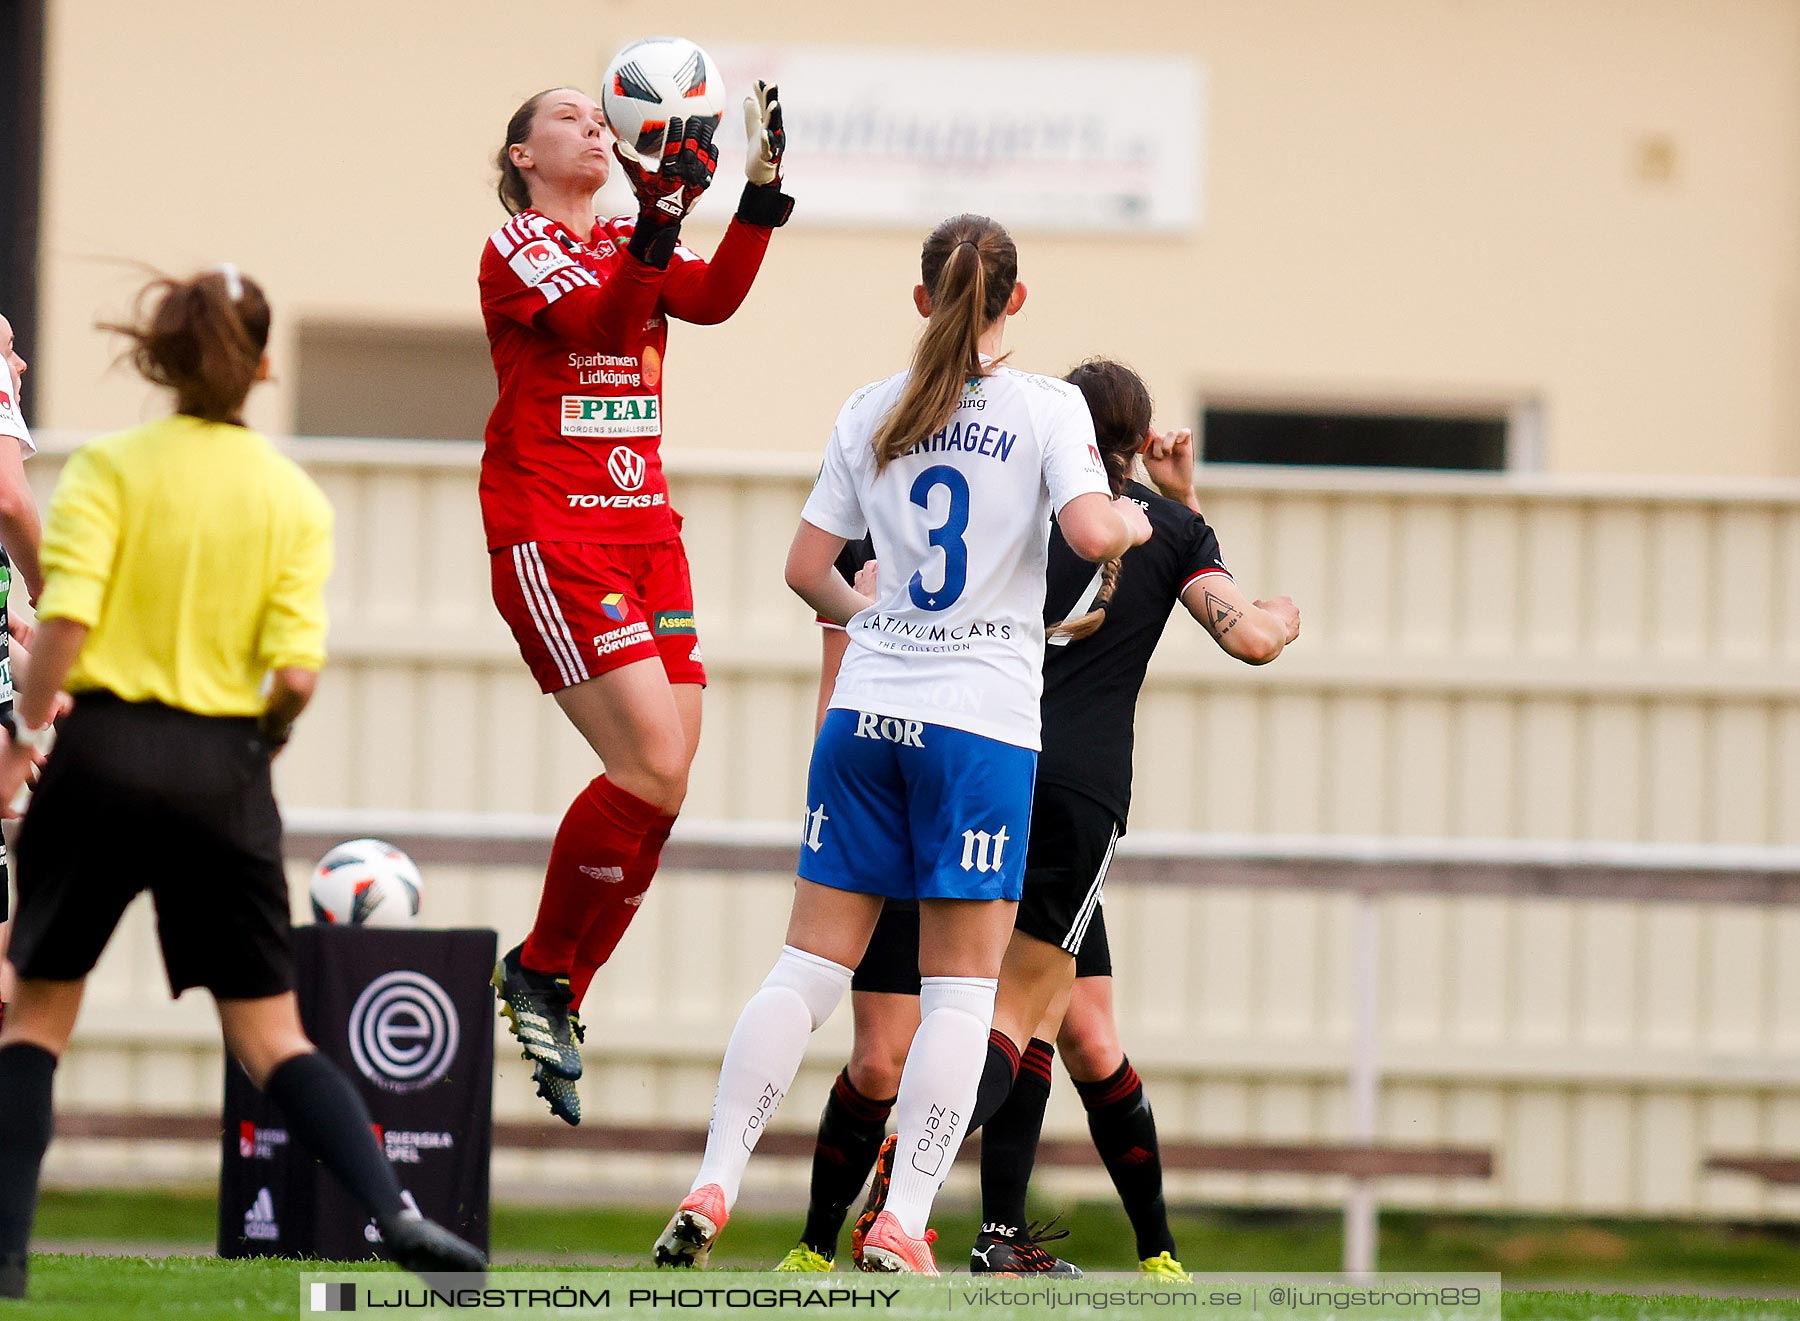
<point x="667" y="195"/>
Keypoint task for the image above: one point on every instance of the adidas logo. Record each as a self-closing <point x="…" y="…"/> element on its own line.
<point x="1136" y="1156"/>
<point x="610" y="875"/>
<point x="259" y="1220"/>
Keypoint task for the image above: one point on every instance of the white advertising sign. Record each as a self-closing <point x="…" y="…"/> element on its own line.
<point x="883" y="137"/>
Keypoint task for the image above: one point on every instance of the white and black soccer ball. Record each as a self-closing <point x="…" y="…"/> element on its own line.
<point x="366" y="883"/>
<point x="652" y="82"/>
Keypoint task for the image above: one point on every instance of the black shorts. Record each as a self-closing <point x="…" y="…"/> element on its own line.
<point x="891" y="963"/>
<point x="141" y="796"/>
<point x="1095" y="958"/>
<point x="1072" y="839"/>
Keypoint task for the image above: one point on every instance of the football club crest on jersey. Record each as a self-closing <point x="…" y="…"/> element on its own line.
<point x="612" y="605"/>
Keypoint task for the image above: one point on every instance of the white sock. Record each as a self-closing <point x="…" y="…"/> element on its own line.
<point x="764" y="1055"/>
<point x="937" y="1090"/>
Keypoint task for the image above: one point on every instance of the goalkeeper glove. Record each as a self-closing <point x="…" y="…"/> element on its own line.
<point x="768" y="139"/>
<point x="667" y="195"/>
<point x="763" y="202"/>
<point x="686" y="170"/>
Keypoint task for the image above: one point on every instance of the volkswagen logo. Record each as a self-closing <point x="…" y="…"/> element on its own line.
<point x="626" y="466"/>
<point x="403" y="1032"/>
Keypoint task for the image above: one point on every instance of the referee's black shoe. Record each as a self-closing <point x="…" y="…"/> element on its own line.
<point x="1003" y="1250"/>
<point x="427" y="1249"/>
<point x="535" y="1006"/>
<point x="12" y="1275"/>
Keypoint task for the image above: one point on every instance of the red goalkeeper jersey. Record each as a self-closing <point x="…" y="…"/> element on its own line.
<point x="578" y="329"/>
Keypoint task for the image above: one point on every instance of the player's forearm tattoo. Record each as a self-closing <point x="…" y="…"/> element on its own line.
<point x="1221" y="615"/>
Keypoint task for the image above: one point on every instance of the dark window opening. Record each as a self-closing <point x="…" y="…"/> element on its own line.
<point x="392" y="381"/>
<point x="1317" y="438"/>
<point x="21" y="166"/>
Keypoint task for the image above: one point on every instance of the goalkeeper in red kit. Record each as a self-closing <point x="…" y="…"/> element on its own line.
<point x="587" y="563"/>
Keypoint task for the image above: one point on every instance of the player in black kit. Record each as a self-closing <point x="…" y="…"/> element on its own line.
<point x="1104" y="625"/>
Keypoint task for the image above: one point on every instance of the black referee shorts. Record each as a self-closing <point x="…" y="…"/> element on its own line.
<point x="1072" y="839"/>
<point x="141" y="796"/>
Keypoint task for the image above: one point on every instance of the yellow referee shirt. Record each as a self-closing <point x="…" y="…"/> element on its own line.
<point x="197" y="556"/>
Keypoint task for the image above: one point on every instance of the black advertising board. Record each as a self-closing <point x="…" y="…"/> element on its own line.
<point x="408" y="1015"/>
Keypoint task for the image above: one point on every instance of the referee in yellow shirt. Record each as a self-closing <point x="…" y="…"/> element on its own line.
<point x="183" y="608"/>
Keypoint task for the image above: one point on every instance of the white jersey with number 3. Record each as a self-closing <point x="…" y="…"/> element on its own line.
<point x="961" y="524"/>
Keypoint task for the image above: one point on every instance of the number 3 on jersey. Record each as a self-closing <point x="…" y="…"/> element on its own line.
<point x="947" y="536"/>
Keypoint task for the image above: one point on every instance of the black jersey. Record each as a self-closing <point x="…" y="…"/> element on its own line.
<point x="1091" y="686"/>
<point x="852" y="557"/>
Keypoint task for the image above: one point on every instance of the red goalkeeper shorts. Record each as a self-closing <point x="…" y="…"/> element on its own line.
<point x="578" y="610"/>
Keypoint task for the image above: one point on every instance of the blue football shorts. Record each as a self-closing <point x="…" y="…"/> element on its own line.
<point x="911" y="810"/>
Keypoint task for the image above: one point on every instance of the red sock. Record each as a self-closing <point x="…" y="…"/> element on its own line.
<point x="599" y="837"/>
<point x="617" y="907"/>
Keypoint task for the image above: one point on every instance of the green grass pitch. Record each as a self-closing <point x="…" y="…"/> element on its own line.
<point x="1601" y="1256"/>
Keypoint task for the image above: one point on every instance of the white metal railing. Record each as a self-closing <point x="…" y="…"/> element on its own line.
<point x="1621" y="870"/>
<point x="1561" y="659"/>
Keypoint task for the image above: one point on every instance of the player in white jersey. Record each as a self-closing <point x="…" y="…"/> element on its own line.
<point x="20" y="534"/>
<point x="922" y="774"/>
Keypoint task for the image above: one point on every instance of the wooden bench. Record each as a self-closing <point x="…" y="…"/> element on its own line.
<point x="1780" y="1170"/>
<point x="1356" y="1161"/>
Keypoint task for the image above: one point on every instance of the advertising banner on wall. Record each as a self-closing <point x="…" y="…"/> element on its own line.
<point x="408" y="1016"/>
<point x="889" y="138"/>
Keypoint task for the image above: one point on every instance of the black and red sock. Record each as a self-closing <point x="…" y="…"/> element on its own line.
<point x="1124" y="1132"/>
<point x="1010" y="1141"/>
<point x="850" y="1134"/>
<point x="997" y="1076"/>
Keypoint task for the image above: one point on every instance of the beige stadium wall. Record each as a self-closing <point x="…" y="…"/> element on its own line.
<point x="1524" y="660"/>
<point x="1589" y="209"/>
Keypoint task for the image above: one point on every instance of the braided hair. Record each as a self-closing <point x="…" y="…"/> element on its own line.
<point x="1121" y="407"/>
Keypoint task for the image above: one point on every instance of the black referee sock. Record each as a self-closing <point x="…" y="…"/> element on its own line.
<point x="25" y="1123"/>
<point x="850" y="1134"/>
<point x="326" y="1113"/>
<point x="1010" y="1142"/>
<point x="997" y="1077"/>
<point x="1124" y="1133"/>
